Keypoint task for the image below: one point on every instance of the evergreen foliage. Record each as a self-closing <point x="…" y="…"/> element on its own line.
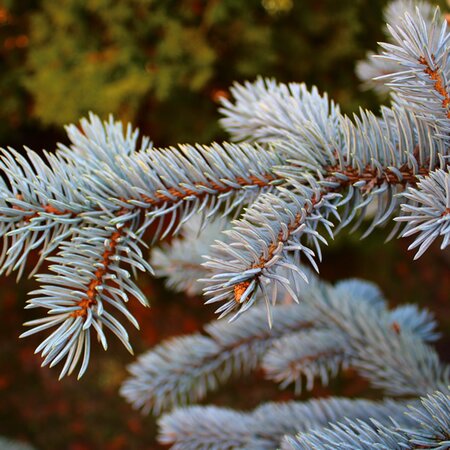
<point x="142" y="59"/>
<point x="299" y="172"/>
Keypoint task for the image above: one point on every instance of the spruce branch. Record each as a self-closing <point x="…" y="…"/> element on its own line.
<point x="93" y="215"/>
<point x="420" y="49"/>
<point x="428" y="429"/>
<point x="266" y="111"/>
<point x="386" y="425"/>
<point x="44" y="200"/>
<point x="278" y="224"/>
<point x="215" y="428"/>
<point x="350" y="435"/>
<point x="85" y="290"/>
<point x="418" y="321"/>
<point x="40" y="205"/>
<point x="388" y="353"/>
<point x="263" y="428"/>
<point x="386" y="156"/>
<point x="40" y="196"/>
<point x="308" y="355"/>
<point x="376" y="160"/>
<point x="372" y="70"/>
<point x="276" y="420"/>
<point x="184" y="369"/>
<point x="431" y="420"/>
<point x="94" y="143"/>
<point x="428" y="212"/>
<point x="314" y="338"/>
<point x="259" y="243"/>
<point x="340" y="339"/>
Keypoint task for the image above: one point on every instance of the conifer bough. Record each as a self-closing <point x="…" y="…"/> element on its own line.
<point x="303" y="171"/>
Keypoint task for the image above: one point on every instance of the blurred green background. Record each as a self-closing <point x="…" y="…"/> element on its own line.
<point x="163" y="65"/>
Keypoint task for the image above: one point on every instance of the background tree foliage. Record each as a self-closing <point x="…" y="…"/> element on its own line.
<point x="162" y="65"/>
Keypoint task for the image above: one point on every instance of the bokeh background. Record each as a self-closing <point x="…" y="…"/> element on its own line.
<point x="164" y="65"/>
